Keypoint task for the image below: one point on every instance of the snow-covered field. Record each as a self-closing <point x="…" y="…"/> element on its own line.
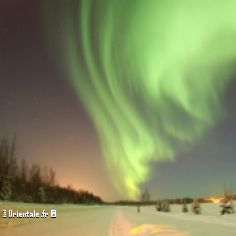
<point x="77" y="220"/>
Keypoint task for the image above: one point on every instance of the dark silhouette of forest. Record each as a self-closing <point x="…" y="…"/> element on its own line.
<point x="24" y="183"/>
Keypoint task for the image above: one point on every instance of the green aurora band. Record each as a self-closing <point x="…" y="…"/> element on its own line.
<point x="151" y="75"/>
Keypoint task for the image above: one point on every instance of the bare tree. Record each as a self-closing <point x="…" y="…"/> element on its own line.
<point x="52" y="177"/>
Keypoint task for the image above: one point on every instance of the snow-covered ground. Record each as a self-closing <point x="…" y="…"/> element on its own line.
<point x="77" y="220"/>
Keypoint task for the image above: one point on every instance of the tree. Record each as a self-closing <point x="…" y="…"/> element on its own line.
<point x="41" y="195"/>
<point x="52" y="177"/>
<point x="34" y="181"/>
<point x="145" y="196"/>
<point x="24" y="171"/>
<point x="4" y="157"/>
<point x="5" y="188"/>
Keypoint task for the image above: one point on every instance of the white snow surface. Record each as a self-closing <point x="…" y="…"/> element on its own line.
<point x="74" y="220"/>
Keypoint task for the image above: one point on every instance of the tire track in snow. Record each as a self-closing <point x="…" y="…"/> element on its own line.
<point x="119" y="226"/>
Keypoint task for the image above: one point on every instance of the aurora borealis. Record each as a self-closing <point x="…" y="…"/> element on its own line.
<point x="122" y="95"/>
<point x="135" y="64"/>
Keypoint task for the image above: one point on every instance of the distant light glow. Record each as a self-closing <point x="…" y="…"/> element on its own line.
<point x="149" y="229"/>
<point x="215" y="199"/>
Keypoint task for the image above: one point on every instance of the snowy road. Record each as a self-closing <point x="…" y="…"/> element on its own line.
<point x="125" y="221"/>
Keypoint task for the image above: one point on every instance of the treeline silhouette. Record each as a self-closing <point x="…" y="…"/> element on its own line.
<point x="178" y="201"/>
<point x="154" y="202"/>
<point x="21" y="182"/>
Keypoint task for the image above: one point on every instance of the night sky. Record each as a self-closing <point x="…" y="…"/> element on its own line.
<point x="55" y="127"/>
